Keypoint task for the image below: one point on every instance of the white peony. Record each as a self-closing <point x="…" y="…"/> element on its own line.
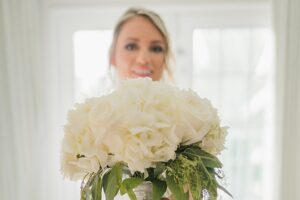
<point x="80" y="155"/>
<point x="141" y="123"/>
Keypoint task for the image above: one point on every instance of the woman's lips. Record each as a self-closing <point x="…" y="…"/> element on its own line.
<point x="142" y="72"/>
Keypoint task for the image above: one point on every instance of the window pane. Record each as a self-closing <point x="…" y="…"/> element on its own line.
<point x="91" y="62"/>
<point x="233" y="67"/>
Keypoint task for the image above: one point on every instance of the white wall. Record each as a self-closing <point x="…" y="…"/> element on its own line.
<point x="90" y="2"/>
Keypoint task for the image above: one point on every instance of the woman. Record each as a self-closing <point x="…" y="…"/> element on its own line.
<point x="141" y="46"/>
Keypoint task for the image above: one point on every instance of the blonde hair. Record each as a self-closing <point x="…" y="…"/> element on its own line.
<point x="156" y="20"/>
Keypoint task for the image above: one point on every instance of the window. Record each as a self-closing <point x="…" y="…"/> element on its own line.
<point x="233" y="67"/>
<point x="223" y="52"/>
<point x="91" y="48"/>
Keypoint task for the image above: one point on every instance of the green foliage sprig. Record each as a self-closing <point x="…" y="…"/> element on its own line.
<point x="192" y="168"/>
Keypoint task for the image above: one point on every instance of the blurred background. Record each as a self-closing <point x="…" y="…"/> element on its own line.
<point x="244" y="55"/>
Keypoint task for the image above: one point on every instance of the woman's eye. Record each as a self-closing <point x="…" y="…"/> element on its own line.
<point x="157" y="49"/>
<point x="130" y="46"/>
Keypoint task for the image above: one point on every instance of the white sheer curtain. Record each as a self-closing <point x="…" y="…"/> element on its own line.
<point x="22" y="101"/>
<point x="287" y="31"/>
<point x="32" y="106"/>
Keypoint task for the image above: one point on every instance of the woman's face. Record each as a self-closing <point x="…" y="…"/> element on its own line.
<point x="140" y="50"/>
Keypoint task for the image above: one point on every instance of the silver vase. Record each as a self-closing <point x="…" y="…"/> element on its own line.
<point x="143" y="191"/>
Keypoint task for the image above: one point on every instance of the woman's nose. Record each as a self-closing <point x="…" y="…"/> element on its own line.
<point x="143" y="57"/>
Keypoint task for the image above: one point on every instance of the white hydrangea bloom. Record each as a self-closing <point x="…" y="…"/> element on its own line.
<point x="141" y="123"/>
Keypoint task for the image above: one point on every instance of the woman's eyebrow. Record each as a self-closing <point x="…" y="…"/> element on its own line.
<point x="132" y="39"/>
<point x="158" y="42"/>
<point x="151" y="42"/>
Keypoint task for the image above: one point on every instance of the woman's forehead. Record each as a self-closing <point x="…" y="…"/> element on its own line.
<point x="140" y="28"/>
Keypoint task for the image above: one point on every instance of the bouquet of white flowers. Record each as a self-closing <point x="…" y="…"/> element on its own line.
<point x="144" y="131"/>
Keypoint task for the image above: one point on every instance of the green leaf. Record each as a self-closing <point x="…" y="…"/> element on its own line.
<point x="160" y="168"/>
<point x="176" y="190"/>
<point x="129" y="184"/>
<point x="112" y="181"/>
<point x="224" y="190"/>
<point x="159" y="188"/>
<point x="210" y="162"/>
<point x="207" y="161"/>
<point x="97" y="188"/>
<point x="86" y="193"/>
<point x="105" y="180"/>
<point x="214" y="173"/>
<point x="150" y="174"/>
<point x="195" y="185"/>
<point x="210" y="180"/>
<point x="131" y="195"/>
<point x="200" y="152"/>
<point x="81" y="195"/>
